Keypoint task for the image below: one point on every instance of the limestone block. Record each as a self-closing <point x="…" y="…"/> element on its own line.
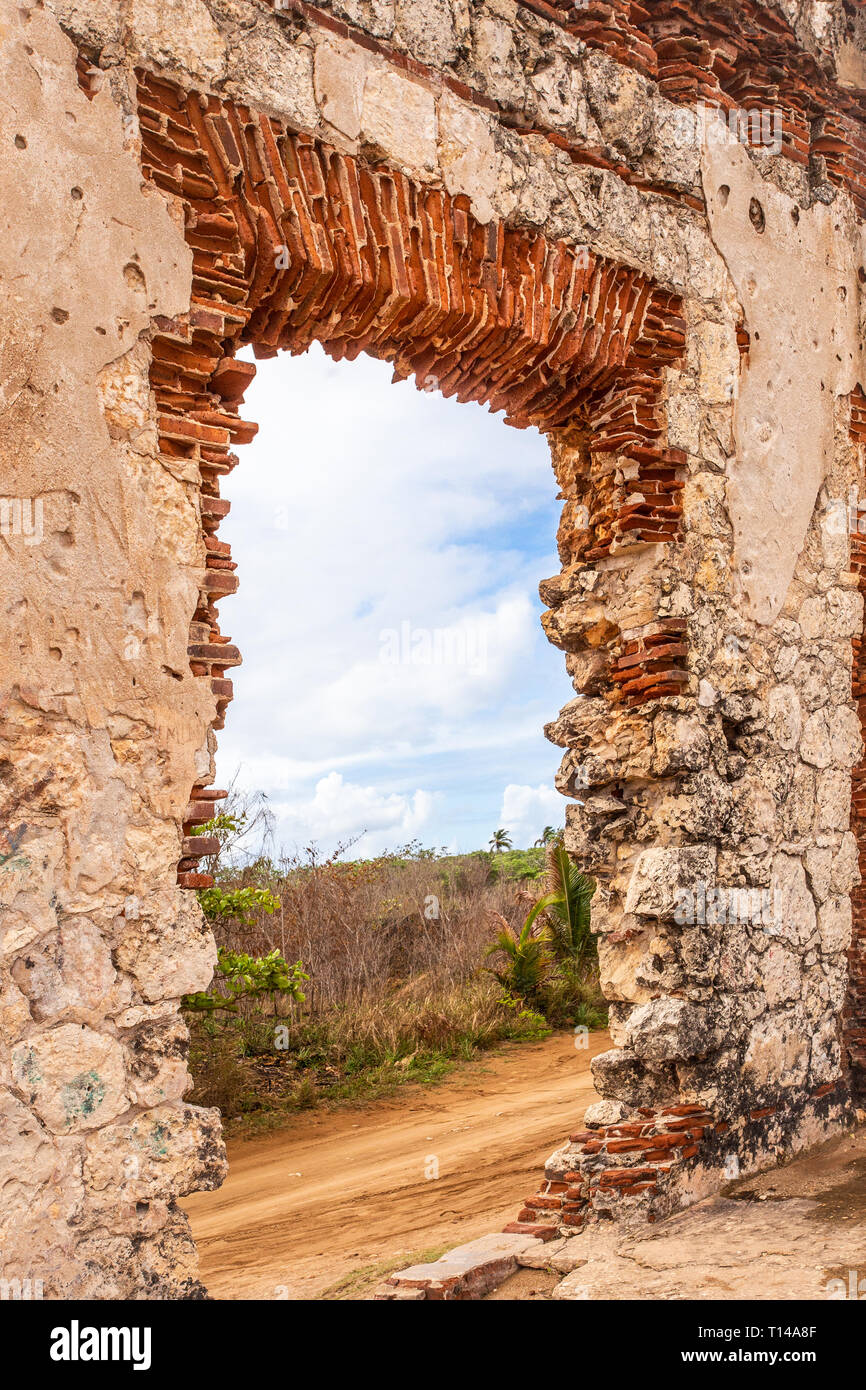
<point x="28" y="1155"/>
<point x="340" y="74"/>
<point x="14" y="1010"/>
<point x="780" y="975"/>
<point x="717" y="361"/>
<point x="833" y="796"/>
<point x="560" y="96"/>
<point x="831" y="735"/>
<point x="399" y="117"/>
<point x="166" y="1152"/>
<point x="818" y="862"/>
<point x="845" y="873"/>
<point x="784" y="718"/>
<point x="825" y="1059"/>
<point x="71" y="972"/>
<point x="156" y="1062"/>
<point x="73" y="1077"/>
<point x="469" y="1271"/>
<point x="680" y="742"/>
<point x="493" y="39"/>
<point x="777" y="1054"/>
<point x="619" y="963"/>
<point x="180" y="34"/>
<point x="167" y="963"/>
<point x="272" y="69"/>
<point x="467" y="154"/>
<point x="834" y="924"/>
<point x="836" y="614"/>
<point x="662" y="874"/>
<point x="620" y="1074"/>
<point x="672" y="1029"/>
<point x="815" y="747"/>
<point x="793" y="907"/>
<point x="25" y="912"/>
<point x="604" y="1112"/>
<point x="428" y="30"/>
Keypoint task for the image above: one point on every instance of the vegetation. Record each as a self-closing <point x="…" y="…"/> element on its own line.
<point x="360" y="1282"/>
<point x="565" y="910"/>
<point x="391" y="981"/>
<point x="526" y="961"/>
<point x="244" y="977"/>
<point x="552" y="962"/>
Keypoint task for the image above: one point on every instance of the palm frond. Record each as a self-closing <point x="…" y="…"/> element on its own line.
<point x="565" y="908"/>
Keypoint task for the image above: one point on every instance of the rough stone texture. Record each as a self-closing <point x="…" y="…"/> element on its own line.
<point x="466" y="1273"/>
<point x="794" y="1233"/>
<point x="101" y="722"/>
<point x="520" y="203"/>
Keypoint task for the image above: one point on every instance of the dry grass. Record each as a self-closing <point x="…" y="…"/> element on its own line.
<point x="395" y="948"/>
<point x="360" y="927"/>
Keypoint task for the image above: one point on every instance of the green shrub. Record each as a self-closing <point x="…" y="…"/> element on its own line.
<point x="247" y="977"/>
<point x="526" y="961"/>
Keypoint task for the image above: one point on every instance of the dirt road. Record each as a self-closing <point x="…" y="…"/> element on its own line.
<point x="337" y="1191"/>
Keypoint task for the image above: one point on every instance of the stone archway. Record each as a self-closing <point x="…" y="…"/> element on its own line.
<point x="615" y="302"/>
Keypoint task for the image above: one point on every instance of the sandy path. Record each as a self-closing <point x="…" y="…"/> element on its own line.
<point x="341" y="1190"/>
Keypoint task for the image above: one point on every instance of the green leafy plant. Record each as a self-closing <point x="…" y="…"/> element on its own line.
<point x="500" y="840"/>
<point x="565" y="910"/>
<point x="236" y="904"/>
<point x="239" y="976"/>
<point x="526" y="961"/>
<point x="221" y="826"/>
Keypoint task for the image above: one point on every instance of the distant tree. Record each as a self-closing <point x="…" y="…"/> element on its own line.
<point x="547" y="836"/>
<point x="500" y="840"/>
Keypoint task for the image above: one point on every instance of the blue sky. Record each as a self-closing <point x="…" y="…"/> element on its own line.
<point x="396" y="678"/>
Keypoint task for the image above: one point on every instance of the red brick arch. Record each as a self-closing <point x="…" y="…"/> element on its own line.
<point x="295" y="242"/>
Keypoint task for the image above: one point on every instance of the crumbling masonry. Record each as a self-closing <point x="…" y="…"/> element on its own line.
<point x="635" y="226"/>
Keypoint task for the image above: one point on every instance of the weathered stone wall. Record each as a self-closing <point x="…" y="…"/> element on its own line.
<point x="518" y="203"/>
<point x="102" y="728"/>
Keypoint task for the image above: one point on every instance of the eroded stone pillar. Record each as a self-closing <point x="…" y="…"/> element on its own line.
<point x="103" y="730"/>
<point x="711" y="746"/>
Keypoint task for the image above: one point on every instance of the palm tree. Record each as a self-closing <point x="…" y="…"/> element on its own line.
<point x="548" y="835"/>
<point x="526" y="960"/>
<point x="500" y="840"/>
<point x="565" y="909"/>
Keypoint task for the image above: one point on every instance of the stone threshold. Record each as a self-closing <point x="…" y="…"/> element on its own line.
<point x="470" y="1272"/>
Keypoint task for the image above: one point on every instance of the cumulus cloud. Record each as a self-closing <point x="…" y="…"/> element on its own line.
<point x="527" y="810"/>
<point x="389" y="545"/>
<point x="340" y="811"/>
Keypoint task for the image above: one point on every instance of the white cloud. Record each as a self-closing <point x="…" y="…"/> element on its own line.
<point x="340" y="811"/>
<point x="365" y="509"/>
<point x="527" y="810"/>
